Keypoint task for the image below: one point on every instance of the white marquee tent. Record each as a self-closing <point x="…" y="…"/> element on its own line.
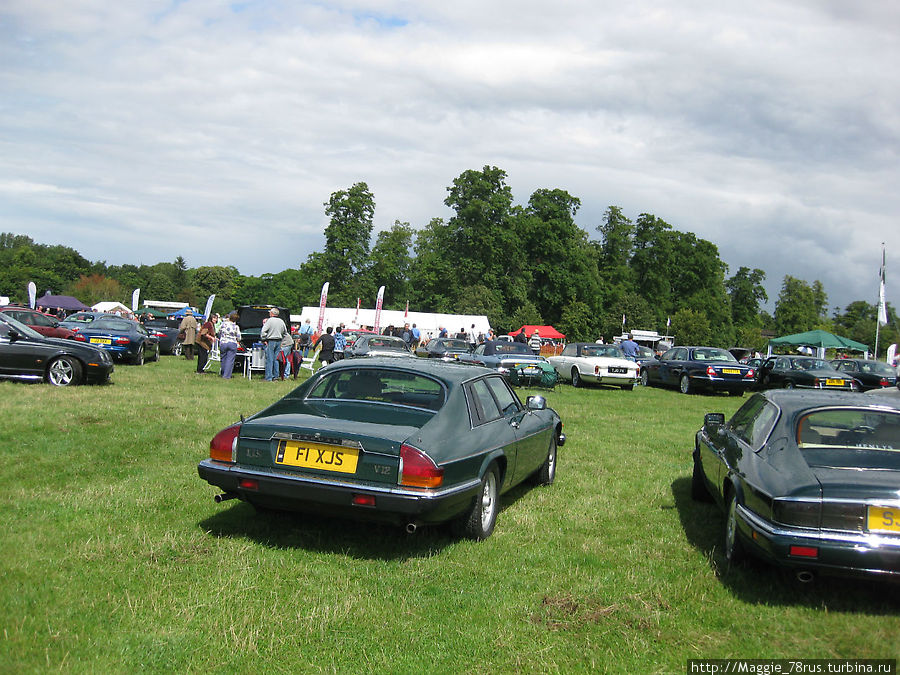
<point x="427" y="322"/>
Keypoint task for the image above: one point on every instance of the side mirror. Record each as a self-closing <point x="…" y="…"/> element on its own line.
<point x="712" y="421"/>
<point x="536" y="403"/>
<point x="13" y="335"/>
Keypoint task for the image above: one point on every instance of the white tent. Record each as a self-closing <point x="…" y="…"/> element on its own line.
<point x="111" y="307"/>
<point x="427" y="322"/>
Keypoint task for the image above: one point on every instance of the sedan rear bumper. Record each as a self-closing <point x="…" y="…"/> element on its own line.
<point x="335" y="496"/>
<point x="843" y="553"/>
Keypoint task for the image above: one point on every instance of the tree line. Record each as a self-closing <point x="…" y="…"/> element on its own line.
<point x="517" y="264"/>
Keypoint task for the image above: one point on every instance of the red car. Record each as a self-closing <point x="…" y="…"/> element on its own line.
<point x="47" y="326"/>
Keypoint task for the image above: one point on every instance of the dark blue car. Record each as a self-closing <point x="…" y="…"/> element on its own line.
<point x="124" y="339"/>
<point x="699" y="368"/>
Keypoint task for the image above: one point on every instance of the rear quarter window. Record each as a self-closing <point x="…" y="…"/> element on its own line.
<point x="753" y="422"/>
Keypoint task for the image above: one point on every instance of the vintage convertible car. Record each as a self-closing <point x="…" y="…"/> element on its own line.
<point x="803" y="372"/>
<point x="589" y="362"/>
<point x="448" y="349"/>
<point x="693" y="368"/>
<point x="377" y="345"/>
<point x="505" y="357"/>
<point x="868" y="374"/>
<point x="407" y="441"/>
<point x="807" y="479"/>
<point x="28" y="355"/>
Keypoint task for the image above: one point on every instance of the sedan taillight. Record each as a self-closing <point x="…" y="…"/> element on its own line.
<point x="122" y="340"/>
<point x="750" y="374"/>
<point x="79" y="337"/>
<point x="223" y="446"/>
<point x="418" y="469"/>
<point x="710" y="371"/>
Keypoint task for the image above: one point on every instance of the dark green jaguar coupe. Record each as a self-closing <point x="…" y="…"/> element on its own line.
<point x="412" y="442"/>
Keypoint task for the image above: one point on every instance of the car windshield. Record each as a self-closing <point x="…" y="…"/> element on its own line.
<point x="386" y="342"/>
<point x="713" y="354"/>
<point x="80" y="318"/>
<point x="851" y="428"/>
<point x="810" y="364"/>
<point x="645" y="352"/>
<point x="18" y="326"/>
<point x="609" y="351"/>
<point x="876" y="368"/>
<point x="381" y="385"/>
<point x="453" y="344"/>
<point x="112" y="324"/>
<point x="511" y="348"/>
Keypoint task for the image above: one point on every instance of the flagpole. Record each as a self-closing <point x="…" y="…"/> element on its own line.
<point x="882" y="307"/>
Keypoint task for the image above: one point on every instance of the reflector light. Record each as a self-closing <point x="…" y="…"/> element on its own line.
<point x="805" y="551"/>
<point x="364" y="500"/>
<point x="223" y="446"/>
<point x="418" y="469"/>
<point x="248" y="484"/>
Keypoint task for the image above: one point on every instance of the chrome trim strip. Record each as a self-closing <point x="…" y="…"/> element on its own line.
<point x="322" y="481"/>
<point x="868" y="540"/>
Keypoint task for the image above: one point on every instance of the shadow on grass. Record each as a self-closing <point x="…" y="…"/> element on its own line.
<point x="327" y="534"/>
<point x="758" y="582"/>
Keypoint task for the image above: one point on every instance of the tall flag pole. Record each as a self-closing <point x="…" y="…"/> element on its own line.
<point x="378" y="302"/>
<point x="323" y="299"/>
<point x="882" y="306"/>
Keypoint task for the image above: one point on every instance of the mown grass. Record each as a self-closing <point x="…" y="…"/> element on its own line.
<point x="113" y="556"/>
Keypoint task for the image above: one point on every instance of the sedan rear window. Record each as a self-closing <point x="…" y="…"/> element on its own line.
<point x="850" y="428"/>
<point x="381" y="385"/>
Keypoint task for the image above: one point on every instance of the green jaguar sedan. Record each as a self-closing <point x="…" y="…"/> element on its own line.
<point x="411" y="442"/>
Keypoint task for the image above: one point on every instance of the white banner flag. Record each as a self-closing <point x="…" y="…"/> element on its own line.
<point x="32" y="294"/>
<point x="134" y="299"/>
<point x="378" y="304"/>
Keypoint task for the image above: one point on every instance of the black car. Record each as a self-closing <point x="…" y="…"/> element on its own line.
<point x="803" y="372"/>
<point x="807" y="479"/>
<point x="699" y="368"/>
<point x="447" y="349"/>
<point x="165" y="330"/>
<point x="868" y="374"/>
<point x="27" y="355"/>
<point x="373" y="344"/>
<point x="251" y="319"/>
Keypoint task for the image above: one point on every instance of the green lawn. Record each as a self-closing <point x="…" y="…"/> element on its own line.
<point x="113" y="556"/>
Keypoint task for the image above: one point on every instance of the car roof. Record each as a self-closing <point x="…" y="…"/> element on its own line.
<point x="449" y="372"/>
<point x="799" y="399"/>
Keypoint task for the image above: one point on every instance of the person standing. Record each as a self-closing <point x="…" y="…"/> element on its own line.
<point x="304" y="339"/>
<point x="521" y="336"/>
<point x="229" y="339"/>
<point x="630" y="347"/>
<point x="535" y="342"/>
<point x="340" y="343"/>
<point x="188" y="326"/>
<point x="272" y="333"/>
<point x="204" y="343"/>
<point x="326" y="341"/>
<point x="284" y="355"/>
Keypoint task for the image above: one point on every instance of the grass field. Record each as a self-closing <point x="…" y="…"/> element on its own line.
<point x="114" y="558"/>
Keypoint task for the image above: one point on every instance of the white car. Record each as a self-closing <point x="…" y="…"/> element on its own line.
<point x="582" y="362"/>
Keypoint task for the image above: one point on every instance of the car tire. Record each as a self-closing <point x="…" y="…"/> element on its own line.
<point x="547" y="473"/>
<point x="479" y="520"/>
<point x="64" y="371"/>
<point x="684" y="384"/>
<point x="788" y="384"/>
<point x="699" y="493"/>
<point x="156" y="354"/>
<point x="645" y="378"/>
<point x="576" y="377"/>
<point x="734" y="550"/>
<point x="139" y="359"/>
<point x="176" y="350"/>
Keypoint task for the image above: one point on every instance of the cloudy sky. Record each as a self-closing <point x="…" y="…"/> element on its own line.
<point x="139" y="131"/>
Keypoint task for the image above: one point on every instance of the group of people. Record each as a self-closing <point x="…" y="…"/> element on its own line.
<point x="203" y="336"/>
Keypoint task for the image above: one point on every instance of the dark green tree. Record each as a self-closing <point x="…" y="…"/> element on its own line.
<point x="389" y="266"/>
<point x="347" y="238"/>
<point x="747" y="292"/>
<point x="798" y="307"/>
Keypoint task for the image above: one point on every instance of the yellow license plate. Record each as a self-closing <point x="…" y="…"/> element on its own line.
<point x="317" y="456"/>
<point x="101" y="341"/>
<point x="883" y="519"/>
<point x="731" y="371"/>
<point x="834" y="383"/>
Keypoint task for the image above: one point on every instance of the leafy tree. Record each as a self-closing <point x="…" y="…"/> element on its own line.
<point x="747" y="292"/>
<point x="216" y="280"/>
<point x="95" y="288"/>
<point x="479" y="299"/>
<point x="433" y="272"/>
<point x="798" y="307"/>
<point x="636" y="310"/>
<point x="578" y="322"/>
<point x="614" y="254"/>
<point x="389" y="266"/>
<point x="179" y="273"/>
<point x="654" y="262"/>
<point x="159" y="286"/>
<point x="347" y="237"/>
<point x="692" y="328"/>
<point x="562" y="263"/>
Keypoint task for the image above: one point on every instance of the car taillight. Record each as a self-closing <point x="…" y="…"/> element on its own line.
<point x="223" y="446"/>
<point x="750" y="374"/>
<point x="122" y="340"/>
<point x="418" y="469"/>
<point x="884" y="382"/>
<point x="79" y="337"/>
<point x="710" y="371"/>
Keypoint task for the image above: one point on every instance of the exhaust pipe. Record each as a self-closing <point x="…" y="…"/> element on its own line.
<point x="805" y="576"/>
<point x="411" y="528"/>
<point x="224" y="497"/>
